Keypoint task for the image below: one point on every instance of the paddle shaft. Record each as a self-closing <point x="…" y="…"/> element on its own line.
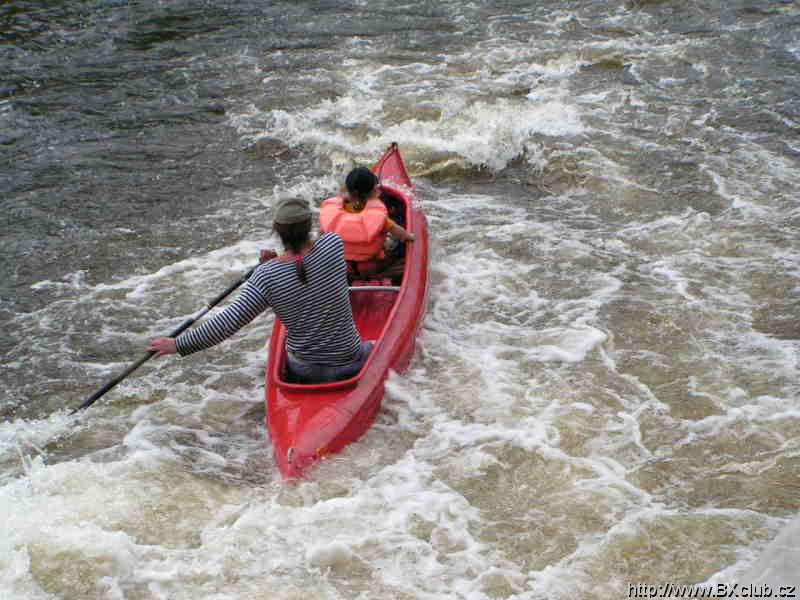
<point x="183" y="327"/>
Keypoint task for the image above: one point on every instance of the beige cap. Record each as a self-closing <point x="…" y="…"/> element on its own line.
<point x="291" y="210"/>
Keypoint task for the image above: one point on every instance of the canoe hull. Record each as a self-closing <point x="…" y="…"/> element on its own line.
<point x="308" y="422"/>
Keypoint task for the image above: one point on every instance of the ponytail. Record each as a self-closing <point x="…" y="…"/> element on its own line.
<point x="294" y="237"/>
<point x="356" y="202"/>
<point x="300" y="268"/>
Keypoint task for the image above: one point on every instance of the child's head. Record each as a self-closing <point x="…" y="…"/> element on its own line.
<point x="360" y="184"/>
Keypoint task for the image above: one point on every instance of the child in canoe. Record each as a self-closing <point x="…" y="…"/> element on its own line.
<point x="362" y="220"/>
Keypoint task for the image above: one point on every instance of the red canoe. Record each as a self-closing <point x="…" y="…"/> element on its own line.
<point x="308" y="422"/>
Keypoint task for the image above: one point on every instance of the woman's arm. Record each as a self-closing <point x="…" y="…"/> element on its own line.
<point x="250" y="303"/>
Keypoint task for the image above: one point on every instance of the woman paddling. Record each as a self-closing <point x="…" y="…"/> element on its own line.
<point x="307" y="288"/>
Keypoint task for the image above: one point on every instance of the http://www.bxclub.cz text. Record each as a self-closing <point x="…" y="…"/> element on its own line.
<point x="719" y="590"/>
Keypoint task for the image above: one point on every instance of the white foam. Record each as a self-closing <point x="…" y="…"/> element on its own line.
<point x="331" y="554"/>
<point x="35" y="516"/>
<point x="20" y="437"/>
<point x="668" y="270"/>
<point x="74" y="280"/>
<point x="236" y="258"/>
<point x="776" y="567"/>
<point x="571" y="345"/>
<point x="485" y="134"/>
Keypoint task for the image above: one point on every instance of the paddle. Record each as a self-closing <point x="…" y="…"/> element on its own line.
<point x="184" y="326"/>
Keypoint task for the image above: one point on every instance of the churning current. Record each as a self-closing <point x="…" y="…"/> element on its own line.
<point x="604" y="393"/>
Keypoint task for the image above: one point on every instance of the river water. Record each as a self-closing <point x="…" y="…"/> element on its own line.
<point x="605" y="390"/>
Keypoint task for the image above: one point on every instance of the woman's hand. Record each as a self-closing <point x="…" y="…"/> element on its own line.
<point x="162" y="346"/>
<point x="267" y="255"/>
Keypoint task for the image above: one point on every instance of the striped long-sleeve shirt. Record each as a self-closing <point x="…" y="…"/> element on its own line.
<point x="317" y="314"/>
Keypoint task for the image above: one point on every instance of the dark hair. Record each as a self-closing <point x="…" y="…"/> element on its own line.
<point x="294" y="236"/>
<point x="360" y="182"/>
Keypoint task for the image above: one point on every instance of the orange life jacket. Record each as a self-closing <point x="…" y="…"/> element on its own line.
<point x="362" y="232"/>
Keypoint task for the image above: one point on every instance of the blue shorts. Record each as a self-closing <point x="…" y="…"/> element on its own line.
<point x="307" y="372"/>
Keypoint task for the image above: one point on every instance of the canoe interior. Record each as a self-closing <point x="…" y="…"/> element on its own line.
<point x="371" y="310"/>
